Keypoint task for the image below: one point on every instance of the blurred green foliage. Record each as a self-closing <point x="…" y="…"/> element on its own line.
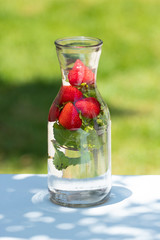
<point x="128" y="77"/>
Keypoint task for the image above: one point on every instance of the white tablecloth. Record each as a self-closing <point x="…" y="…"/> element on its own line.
<point x="132" y="212"/>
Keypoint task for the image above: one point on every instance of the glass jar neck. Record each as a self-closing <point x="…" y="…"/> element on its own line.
<point x="78" y="58"/>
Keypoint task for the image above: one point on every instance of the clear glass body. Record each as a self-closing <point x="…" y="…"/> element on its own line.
<point x="79" y="129"/>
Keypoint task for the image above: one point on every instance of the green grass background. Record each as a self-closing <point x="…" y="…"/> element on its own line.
<point x="128" y="77"/>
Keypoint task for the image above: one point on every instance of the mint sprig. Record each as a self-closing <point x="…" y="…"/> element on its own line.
<point x="87" y="140"/>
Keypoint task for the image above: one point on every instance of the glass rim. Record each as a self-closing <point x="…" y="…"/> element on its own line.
<point x="97" y="42"/>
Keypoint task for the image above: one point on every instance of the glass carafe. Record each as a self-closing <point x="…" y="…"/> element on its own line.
<point x="79" y="128"/>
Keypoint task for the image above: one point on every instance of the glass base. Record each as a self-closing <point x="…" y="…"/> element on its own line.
<point x="85" y="198"/>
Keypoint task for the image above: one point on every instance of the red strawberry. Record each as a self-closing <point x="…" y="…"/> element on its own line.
<point x="80" y="74"/>
<point x="76" y="75"/>
<point x="88" y="77"/>
<point x="69" y="94"/>
<point x="89" y="107"/>
<point x="69" y="117"/>
<point x="78" y="65"/>
<point x="53" y="112"/>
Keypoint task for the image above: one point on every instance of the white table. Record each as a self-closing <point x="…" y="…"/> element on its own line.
<point x="132" y="212"/>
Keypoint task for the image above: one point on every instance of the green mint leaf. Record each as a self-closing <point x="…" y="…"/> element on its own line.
<point x="62" y="162"/>
<point x="65" y="137"/>
<point x="86" y="121"/>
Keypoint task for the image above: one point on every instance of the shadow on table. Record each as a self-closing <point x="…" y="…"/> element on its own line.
<point x="27" y="213"/>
